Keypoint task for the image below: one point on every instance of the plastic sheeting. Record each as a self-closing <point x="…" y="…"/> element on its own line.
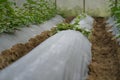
<point x="111" y="23"/>
<point x="92" y="7"/>
<point x="64" y="56"/>
<point x="86" y="23"/>
<point x="22" y="36"/>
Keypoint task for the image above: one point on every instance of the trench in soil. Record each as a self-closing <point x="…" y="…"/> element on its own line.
<point x="105" y="55"/>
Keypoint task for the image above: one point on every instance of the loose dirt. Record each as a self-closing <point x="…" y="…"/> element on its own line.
<point x="105" y="54"/>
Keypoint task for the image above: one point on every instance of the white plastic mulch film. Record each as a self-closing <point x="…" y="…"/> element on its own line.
<point x="64" y="56"/>
<point x="92" y="7"/>
<point x="111" y="23"/>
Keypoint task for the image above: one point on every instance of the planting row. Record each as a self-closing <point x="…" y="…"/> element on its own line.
<point x="17" y="51"/>
<point x="24" y="34"/>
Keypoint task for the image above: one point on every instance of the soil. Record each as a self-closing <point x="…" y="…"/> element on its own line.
<point x="105" y="53"/>
<point x="17" y="51"/>
<point x="69" y="19"/>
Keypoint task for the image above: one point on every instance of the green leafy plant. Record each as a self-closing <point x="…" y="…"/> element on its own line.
<point x="6" y="15"/>
<point x="115" y="11"/>
<point x="75" y="26"/>
<point x="32" y="12"/>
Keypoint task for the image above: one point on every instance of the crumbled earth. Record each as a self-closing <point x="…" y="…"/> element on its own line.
<point x="105" y="63"/>
<point x="9" y="56"/>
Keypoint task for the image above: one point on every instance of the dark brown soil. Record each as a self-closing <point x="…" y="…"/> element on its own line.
<point x="105" y="54"/>
<point x="69" y="19"/>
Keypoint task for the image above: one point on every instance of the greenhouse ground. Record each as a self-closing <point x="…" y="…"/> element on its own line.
<point x="105" y="50"/>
